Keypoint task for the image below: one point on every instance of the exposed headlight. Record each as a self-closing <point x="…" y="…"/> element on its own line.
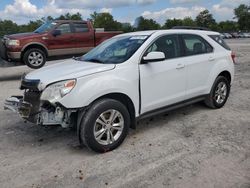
<point x="11" y="42"/>
<point x="58" y="90"/>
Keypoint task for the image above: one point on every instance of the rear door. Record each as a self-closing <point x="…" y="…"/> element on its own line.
<point x="199" y="60"/>
<point x="84" y="38"/>
<point x="163" y="82"/>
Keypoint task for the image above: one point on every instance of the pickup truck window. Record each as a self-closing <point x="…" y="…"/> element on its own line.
<point x="64" y="28"/>
<point x="116" y="50"/>
<point x="81" y="27"/>
<point x="168" y="44"/>
<point x="47" y="26"/>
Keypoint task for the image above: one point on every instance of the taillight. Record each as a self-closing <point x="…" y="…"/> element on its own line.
<point x="233" y="56"/>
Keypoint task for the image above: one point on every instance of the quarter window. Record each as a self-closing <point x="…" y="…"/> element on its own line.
<point x="168" y="45"/>
<point x="194" y="45"/>
<point x="64" y="28"/>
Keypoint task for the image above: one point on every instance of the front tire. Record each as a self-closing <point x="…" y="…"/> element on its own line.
<point x="219" y="93"/>
<point x="104" y="126"/>
<point x="34" y="58"/>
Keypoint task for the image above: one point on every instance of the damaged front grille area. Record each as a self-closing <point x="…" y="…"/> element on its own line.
<point x="33" y="98"/>
<point x="29" y="84"/>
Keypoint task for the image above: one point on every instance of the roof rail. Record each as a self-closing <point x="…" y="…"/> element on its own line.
<point x="191" y="27"/>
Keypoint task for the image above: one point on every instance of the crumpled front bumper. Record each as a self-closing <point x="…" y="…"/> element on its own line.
<point x="38" y="115"/>
<point x="18" y="105"/>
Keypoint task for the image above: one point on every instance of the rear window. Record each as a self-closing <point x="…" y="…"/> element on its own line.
<point x="220" y="41"/>
<point x="81" y="27"/>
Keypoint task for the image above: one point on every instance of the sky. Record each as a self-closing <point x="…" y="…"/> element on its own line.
<point x="21" y="11"/>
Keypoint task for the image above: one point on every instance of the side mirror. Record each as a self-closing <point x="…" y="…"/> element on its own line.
<point x="56" y="32"/>
<point x="153" y="57"/>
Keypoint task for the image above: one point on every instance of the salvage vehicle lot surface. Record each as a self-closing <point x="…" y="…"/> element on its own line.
<point x="189" y="147"/>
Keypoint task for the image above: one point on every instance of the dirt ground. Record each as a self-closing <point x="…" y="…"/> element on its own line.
<point x="190" y="147"/>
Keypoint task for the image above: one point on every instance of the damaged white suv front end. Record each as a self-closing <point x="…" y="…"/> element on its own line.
<point x="41" y="106"/>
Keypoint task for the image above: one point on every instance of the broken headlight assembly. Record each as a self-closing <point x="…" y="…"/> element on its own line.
<point x="57" y="90"/>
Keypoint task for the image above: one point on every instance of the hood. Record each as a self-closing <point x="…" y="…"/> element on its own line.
<point x="22" y="35"/>
<point x="69" y="69"/>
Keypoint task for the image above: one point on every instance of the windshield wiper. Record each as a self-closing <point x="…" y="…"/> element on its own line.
<point x="94" y="60"/>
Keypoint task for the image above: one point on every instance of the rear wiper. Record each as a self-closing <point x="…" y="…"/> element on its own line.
<point x="94" y="60"/>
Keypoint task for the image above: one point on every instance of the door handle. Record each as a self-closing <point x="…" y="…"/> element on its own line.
<point x="211" y="59"/>
<point x="180" y="66"/>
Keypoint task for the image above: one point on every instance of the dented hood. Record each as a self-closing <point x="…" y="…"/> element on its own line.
<point x="69" y="69"/>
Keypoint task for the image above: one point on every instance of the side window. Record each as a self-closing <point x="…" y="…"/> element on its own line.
<point x="168" y="45"/>
<point x="64" y="28"/>
<point x="194" y="45"/>
<point x="81" y="27"/>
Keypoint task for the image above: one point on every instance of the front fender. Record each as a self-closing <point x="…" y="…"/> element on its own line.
<point x="92" y="87"/>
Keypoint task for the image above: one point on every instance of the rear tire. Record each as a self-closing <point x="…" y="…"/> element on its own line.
<point x="34" y="58"/>
<point x="104" y="126"/>
<point x="219" y="93"/>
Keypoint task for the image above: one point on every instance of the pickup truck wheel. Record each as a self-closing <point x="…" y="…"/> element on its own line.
<point x="34" y="58"/>
<point x="219" y="93"/>
<point x="105" y="125"/>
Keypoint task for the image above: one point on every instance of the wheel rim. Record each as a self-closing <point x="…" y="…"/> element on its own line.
<point x="108" y="127"/>
<point x="35" y="58"/>
<point x="221" y="92"/>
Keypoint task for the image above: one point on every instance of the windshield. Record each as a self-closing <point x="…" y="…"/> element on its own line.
<point x="116" y="50"/>
<point x="47" y="26"/>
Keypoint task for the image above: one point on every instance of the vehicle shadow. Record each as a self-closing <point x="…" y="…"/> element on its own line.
<point x="50" y="137"/>
<point x="180" y="114"/>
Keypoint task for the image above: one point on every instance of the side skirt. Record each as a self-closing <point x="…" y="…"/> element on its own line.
<point x="171" y="107"/>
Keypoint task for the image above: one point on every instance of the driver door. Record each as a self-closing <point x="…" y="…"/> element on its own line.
<point x="163" y="82"/>
<point x="64" y="43"/>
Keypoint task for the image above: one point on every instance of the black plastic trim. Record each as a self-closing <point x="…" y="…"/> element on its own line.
<point x="171" y="107"/>
<point x="29" y="84"/>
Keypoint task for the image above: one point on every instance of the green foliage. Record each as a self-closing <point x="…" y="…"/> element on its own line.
<point x="242" y="13"/>
<point x="69" y="16"/>
<point x="106" y="21"/>
<point x="188" y="21"/>
<point x="147" y="24"/>
<point x="205" y="19"/>
<point x="8" y="27"/>
<point x="227" y="26"/>
<point x="172" y="22"/>
<point x="127" y="27"/>
<point x="31" y="26"/>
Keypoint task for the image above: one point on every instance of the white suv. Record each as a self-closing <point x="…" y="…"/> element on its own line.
<point x="127" y="78"/>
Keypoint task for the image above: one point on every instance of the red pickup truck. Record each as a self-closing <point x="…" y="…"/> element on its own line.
<point x="53" y="38"/>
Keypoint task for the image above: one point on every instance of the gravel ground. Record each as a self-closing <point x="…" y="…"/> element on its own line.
<point x="190" y="147"/>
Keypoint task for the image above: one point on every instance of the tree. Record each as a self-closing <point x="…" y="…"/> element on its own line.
<point x="105" y="20"/>
<point x="227" y="26"/>
<point x="205" y="19"/>
<point x="242" y="13"/>
<point x="31" y="26"/>
<point x="147" y="24"/>
<point x="69" y="16"/>
<point x="170" y="23"/>
<point x="126" y="27"/>
<point x="188" y="21"/>
<point x="8" y="27"/>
